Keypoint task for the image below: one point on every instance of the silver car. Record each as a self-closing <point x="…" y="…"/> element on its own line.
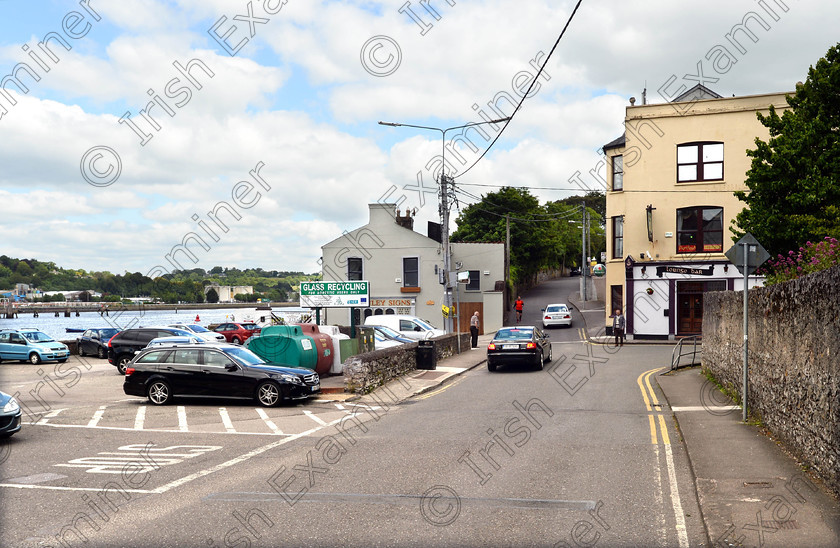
<point x="556" y="314"/>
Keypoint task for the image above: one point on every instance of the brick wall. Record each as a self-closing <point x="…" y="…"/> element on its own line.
<point x="794" y="362"/>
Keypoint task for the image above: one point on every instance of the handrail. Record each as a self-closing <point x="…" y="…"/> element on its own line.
<point x="677" y="354"/>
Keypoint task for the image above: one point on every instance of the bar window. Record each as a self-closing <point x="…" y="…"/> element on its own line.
<point x="618" y="172"/>
<point x="700" y="229"/>
<point x="411" y="272"/>
<point x="617" y="237"/>
<point x="698" y="162"/>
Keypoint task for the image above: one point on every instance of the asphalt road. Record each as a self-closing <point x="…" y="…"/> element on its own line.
<point x="574" y="455"/>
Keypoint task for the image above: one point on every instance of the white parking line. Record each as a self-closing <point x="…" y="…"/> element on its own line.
<point x="268" y="422"/>
<point x="97" y="416"/>
<point x="314" y="417"/>
<point x="182" y="419"/>
<point x="45" y="419"/>
<point x="140" y="418"/>
<point x="226" y="420"/>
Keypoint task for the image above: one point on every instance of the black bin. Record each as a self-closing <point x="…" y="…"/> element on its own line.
<point x="426" y="355"/>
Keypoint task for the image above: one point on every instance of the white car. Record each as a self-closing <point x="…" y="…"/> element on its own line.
<point x="410" y="327"/>
<point x="556" y="314"/>
<point x="202" y="332"/>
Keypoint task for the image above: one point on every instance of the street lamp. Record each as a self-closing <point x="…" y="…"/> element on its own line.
<point x="444" y="203"/>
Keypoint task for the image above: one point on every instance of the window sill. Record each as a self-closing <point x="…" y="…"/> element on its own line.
<point x="409" y="290"/>
<point x="693" y="183"/>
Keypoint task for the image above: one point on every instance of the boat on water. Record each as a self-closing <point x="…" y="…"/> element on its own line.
<point x="73" y="330"/>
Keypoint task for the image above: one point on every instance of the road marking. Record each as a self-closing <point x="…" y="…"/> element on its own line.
<point x="650" y="388"/>
<point x="226" y="420"/>
<point x="339" y="406"/>
<point x="701" y="408"/>
<point x="666" y="439"/>
<point x="653" y="439"/>
<point x="97" y="416"/>
<point x="52" y="414"/>
<point x="182" y="419"/>
<point x="58" y="488"/>
<point x="313" y="417"/>
<point x="140" y="419"/>
<point x="682" y="534"/>
<point x="439" y="390"/>
<point x="268" y="422"/>
<point x="660" y="500"/>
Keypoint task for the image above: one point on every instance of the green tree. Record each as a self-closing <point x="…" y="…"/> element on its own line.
<point x="212" y="296"/>
<point x="794" y="178"/>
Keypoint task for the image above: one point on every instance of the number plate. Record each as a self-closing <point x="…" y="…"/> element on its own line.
<point x="510" y="347"/>
<point x="316" y="387"/>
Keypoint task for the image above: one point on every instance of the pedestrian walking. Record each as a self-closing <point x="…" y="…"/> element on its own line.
<point x="518" y="306"/>
<point x="474" y="329"/>
<point x="618" y="327"/>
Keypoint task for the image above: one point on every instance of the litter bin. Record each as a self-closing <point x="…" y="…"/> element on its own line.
<point x="426" y="355"/>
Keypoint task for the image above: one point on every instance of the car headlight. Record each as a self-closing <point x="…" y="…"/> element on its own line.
<point x="11" y="406"/>
<point x="291" y="378"/>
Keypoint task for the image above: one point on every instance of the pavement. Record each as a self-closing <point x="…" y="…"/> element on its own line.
<point x="750" y="490"/>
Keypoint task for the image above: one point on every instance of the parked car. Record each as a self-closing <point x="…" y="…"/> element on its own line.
<point x="9" y="415"/>
<point x="574" y="271"/>
<point x="94" y="342"/>
<point x="215" y="370"/>
<point x="123" y="345"/>
<point x="410" y="327"/>
<point x="389" y="333"/>
<point x="237" y="333"/>
<point x="518" y="344"/>
<point x="202" y="332"/>
<point x="556" y="314"/>
<point x="175" y="340"/>
<point x="29" y="344"/>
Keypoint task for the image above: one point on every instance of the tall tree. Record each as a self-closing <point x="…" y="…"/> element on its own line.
<point x="794" y="179"/>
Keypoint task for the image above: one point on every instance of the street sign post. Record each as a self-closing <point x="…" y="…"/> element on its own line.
<point x="747" y="255"/>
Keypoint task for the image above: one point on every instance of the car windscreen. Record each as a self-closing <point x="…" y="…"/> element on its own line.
<point x="425" y="324"/>
<point x="199" y="329"/>
<point x="244" y="356"/>
<point x="37" y="336"/>
<point x="107" y="333"/>
<point x="250" y="326"/>
<point x="387" y="331"/>
<point x="556" y="309"/>
<point x="513" y="334"/>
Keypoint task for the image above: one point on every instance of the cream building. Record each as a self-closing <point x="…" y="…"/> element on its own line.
<point x="227" y="293"/>
<point x="404" y="269"/>
<point x="670" y="204"/>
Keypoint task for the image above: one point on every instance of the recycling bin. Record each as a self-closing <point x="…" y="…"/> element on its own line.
<point x="285" y="345"/>
<point x="337" y="336"/>
<point x="426" y="355"/>
<point x="323" y="345"/>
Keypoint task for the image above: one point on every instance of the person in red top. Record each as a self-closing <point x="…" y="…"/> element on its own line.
<point x="518" y="305"/>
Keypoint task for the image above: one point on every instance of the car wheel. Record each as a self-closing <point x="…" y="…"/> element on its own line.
<point x="81" y="351"/>
<point x="549" y="353"/>
<point x="159" y="393"/>
<point x="122" y="362"/>
<point x="538" y="362"/>
<point x="268" y="394"/>
<point x="34" y="358"/>
<point x="100" y="353"/>
<point x="491" y="366"/>
<point x="235" y="340"/>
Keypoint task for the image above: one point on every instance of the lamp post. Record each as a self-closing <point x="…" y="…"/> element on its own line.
<point x="444" y="204"/>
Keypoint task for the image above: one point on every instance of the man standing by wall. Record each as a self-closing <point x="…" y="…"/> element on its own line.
<point x="474" y="329"/>
<point x="618" y="327"/>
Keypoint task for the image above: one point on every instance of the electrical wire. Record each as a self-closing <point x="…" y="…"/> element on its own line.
<point x="534" y="81"/>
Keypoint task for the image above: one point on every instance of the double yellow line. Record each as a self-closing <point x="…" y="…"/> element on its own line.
<point x="651" y="402"/>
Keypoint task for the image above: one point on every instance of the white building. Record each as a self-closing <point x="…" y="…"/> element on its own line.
<point x="404" y="269"/>
<point x="227" y="293"/>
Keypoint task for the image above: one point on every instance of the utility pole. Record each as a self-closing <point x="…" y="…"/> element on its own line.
<point x="507" y="261"/>
<point x="583" y="253"/>
<point x="444" y="219"/>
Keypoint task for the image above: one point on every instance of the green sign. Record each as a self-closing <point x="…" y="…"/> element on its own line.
<point x="599" y="270"/>
<point x="335" y="294"/>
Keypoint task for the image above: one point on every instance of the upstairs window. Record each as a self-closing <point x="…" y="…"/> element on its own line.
<point x="697" y="162"/>
<point x="411" y="272"/>
<point x="700" y="230"/>
<point x="618" y="172"/>
<point x="354" y="268"/>
<point x="475" y="281"/>
<point x="617" y="237"/>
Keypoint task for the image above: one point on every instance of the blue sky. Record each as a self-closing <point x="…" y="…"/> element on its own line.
<point x="303" y="97"/>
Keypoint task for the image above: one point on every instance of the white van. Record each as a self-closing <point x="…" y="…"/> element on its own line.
<point x="410" y="326"/>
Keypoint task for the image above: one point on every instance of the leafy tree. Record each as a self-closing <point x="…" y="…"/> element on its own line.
<point x="794" y="179"/>
<point x="212" y="296"/>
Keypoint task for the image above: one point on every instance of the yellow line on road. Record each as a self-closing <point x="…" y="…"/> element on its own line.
<point x="662" y="426"/>
<point x="650" y="388"/>
<point x="439" y="390"/>
<point x="653" y="439"/>
<point x="642" y="388"/>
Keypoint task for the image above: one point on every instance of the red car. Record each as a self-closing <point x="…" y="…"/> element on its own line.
<point x="237" y="333"/>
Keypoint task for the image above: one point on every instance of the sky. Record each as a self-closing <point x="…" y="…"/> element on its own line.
<point x="247" y="130"/>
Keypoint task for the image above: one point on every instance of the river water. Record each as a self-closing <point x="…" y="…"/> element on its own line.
<point x="56" y="327"/>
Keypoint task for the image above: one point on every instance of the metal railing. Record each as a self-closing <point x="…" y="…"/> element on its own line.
<point x="681" y="349"/>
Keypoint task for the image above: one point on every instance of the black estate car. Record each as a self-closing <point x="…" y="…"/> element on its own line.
<point x="94" y="342"/>
<point x="523" y="344"/>
<point x="215" y="370"/>
<point x="125" y="344"/>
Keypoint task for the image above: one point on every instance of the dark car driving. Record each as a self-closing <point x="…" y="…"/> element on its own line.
<point x="520" y="344"/>
<point x="215" y="370"/>
<point x="94" y="342"/>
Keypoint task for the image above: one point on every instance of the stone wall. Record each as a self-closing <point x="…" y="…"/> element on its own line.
<point x="365" y="372"/>
<point x="794" y="362"/>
